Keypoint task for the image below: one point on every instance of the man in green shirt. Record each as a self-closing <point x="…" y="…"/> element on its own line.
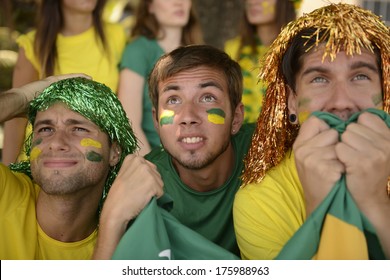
<point x="197" y="110"/>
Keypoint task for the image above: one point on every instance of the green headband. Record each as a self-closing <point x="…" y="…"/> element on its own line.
<point x="94" y="101"/>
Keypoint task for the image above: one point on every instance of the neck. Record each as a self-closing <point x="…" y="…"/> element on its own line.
<point x="171" y="39"/>
<point x="210" y="177"/>
<point x="65" y="218"/>
<point x="267" y="33"/>
<point x="76" y="23"/>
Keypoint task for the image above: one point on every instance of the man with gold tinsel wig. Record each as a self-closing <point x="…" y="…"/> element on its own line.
<point x="316" y="179"/>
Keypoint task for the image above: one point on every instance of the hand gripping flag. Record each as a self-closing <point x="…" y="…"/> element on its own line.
<point x="336" y="229"/>
<point x="157" y="235"/>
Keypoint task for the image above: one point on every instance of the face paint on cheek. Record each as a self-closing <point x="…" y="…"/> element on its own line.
<point x="303" y="116"/>
<point x="94" y="156"/>
<point x="88" y="142"/>
<point x="35" y="152"/>
<point x="377" y="100"/>
<point x="216" y="116"/>
<point x="166" y="117"/>
<point x="303" y="102"/>
<point x="36" y="142"/>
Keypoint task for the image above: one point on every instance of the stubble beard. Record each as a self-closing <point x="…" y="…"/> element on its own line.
<point x="196" y="163"/>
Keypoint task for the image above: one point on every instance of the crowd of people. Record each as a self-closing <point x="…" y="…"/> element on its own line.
<point x="297" y="169"/>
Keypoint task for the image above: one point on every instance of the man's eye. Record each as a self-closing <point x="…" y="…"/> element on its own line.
<point x="173" y="100"/>
<point x="208" y="98"/>
<point x="80" y="129"/>
<point x="319" y="80"/>
<point x="361" y="77"/>
<point x="45" y="129"/>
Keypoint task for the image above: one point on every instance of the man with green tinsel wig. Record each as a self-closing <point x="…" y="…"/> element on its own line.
<point x="316" y="179"/>
<point x="50" y="204"/>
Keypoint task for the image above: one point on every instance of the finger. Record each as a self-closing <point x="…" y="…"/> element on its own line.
<point x="312" y="127"/>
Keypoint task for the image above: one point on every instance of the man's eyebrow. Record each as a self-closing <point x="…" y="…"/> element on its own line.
<point x="67" y="122"/>
<point x="201" y="85"/>
<point x="362" y="64"/>
<point x="315" y="69"/>
<point x="211" y="84"/>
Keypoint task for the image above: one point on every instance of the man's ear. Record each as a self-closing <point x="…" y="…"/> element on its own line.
<point x="238" y="118"/>
<point x="292" y="101"/>
<point x="115" y="154"/>
<point x="155" y="120"/>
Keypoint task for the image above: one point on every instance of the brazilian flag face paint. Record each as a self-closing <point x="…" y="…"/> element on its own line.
<point x="216" y="116"/>
<point x="35" y="152"/>
<point x="166" y="117"/>
<point x="88" y="142"/>
<point x="92" y="155"/>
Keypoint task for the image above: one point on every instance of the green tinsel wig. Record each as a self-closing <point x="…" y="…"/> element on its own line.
<point x="95" y="102"/>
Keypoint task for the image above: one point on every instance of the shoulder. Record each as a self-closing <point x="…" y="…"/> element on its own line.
<point x="26" y="39"/>
<point x="157" y="155"/>
<point x="231" y="46"/>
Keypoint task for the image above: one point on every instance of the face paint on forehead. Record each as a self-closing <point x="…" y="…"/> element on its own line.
<point x="88" y="142"/>
<point x="35" y="152"/>
<point x="166" y="117"/>
<point x="94" y="156"/>
<point x="216" y="116"/>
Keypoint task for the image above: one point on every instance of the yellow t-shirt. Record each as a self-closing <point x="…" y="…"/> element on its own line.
<point x="266" y="215"/>
<point x="254" y="90"/>
<point x="83" y="54"/>
<point x="21" y="237"/>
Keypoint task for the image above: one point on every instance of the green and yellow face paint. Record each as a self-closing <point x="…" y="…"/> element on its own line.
<point x="92" y="155"/>
<point x="35" y="151"/>
<point x="216" y="116"/>
<point x="303" y="116"/>
<point x="166" y="117"/>
<point x="34" y="154"/>
<point x="378" y="101"/>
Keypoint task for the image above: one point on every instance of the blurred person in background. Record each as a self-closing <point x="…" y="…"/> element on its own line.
<point x="160" y="27"/>
<point x="261" y="23"/>
<point x="70" y="37"/>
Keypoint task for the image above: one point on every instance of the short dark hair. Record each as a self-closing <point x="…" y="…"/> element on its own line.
<point x="293" y="58"/>
<point x="192" y="56"/>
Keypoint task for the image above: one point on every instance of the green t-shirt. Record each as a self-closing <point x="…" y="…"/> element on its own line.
<point x="140" y="56"/>
<point x="208" y="213"/>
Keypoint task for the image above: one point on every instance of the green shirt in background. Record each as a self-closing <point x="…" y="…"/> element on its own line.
<point x="140" y="56"/>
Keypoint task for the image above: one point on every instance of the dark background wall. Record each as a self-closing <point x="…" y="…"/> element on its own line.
<point x="219" y="19"/>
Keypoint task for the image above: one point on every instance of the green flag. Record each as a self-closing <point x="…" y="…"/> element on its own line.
<point x="157" y="235"/>
<point x="336" y="229"/>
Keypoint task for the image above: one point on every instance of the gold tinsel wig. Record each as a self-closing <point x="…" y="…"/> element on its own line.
<point x="94" y="101"/>
<point x="341" y="27"/>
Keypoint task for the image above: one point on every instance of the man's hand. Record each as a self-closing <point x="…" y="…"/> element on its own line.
<point x="316" y="161"/>
<point x="137" y="182"/>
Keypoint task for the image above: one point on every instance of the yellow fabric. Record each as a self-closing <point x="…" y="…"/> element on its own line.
<point x="82" y="54"/>
<point x="346" y="236"/>
<point x="20" y="235"/>
<point x="266" y="215"/>
<point x="254" y="90"/>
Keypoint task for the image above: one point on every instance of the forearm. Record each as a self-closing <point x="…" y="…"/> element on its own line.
<point x="378" y="215"/>
<point x="109" y="235"/>
<point x="13" y="103"/>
